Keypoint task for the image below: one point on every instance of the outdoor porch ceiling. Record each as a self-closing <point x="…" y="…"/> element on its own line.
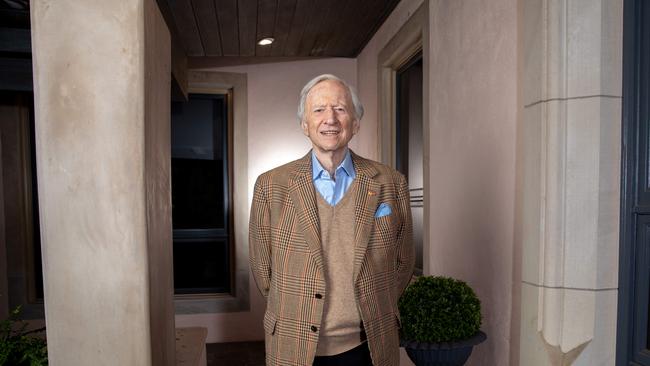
<point x="230" y="29"/>
<point x="213" y="33"/>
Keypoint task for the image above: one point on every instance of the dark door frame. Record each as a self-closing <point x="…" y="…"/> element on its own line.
<point x="634" y="254"/>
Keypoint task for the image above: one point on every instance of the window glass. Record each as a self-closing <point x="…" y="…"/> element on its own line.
<point x="201" y="266"/>
<point x="200" y="195"/>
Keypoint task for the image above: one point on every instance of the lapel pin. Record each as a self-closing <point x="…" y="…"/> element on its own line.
<point x="371" y="193"/>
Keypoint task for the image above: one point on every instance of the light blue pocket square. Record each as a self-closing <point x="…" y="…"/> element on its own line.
<point x="383" y="210"/>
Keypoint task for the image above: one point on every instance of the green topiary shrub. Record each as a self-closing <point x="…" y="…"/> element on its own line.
<point x="17" y="346"/>
<point x="439" y="309"/>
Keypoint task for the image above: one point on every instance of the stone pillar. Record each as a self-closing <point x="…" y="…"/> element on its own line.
<point x="102" y="86"/>
<point x="569" y="173"/>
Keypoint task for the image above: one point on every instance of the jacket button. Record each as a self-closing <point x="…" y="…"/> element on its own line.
<point x="313" y="328"/>
<point x="318" y="296"/>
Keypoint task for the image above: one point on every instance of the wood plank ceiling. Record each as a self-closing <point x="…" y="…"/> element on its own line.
<point x="301" y="28"/>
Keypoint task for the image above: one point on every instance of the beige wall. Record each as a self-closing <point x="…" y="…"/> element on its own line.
<point x="473" y="96"/>
<point x="274" y="138"/>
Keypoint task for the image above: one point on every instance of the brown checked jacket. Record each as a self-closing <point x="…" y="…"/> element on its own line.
<point x="285" y="255"/>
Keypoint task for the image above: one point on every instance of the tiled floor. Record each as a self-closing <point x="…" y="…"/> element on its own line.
<point x="235" y="354"/>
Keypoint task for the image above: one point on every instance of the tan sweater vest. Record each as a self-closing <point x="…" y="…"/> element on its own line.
<point x="341" y="324"/>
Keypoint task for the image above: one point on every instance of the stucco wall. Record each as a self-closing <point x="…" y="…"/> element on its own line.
<point x="274" y="138"/>
<point x="473" y="96"/>
<point x="101" y="79"/>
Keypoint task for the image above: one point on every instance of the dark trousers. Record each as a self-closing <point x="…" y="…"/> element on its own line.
<point x="358" y="356"/>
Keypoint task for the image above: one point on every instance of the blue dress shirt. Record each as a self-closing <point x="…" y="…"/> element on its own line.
<point x="333" y="190"/>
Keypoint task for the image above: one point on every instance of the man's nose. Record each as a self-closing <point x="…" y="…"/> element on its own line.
<point x="330" y="115"/>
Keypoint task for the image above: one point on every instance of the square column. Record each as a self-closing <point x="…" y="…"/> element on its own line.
<point x="102" y="89"/>
<point x="569" y="173"/>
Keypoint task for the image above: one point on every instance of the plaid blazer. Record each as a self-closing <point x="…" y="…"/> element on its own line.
<point x="285" y="257"/>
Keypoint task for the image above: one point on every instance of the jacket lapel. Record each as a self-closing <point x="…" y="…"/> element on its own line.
<point x="367" y="196"/>
<point x="302" y="192"/>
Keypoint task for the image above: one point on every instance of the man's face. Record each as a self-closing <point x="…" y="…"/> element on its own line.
<point x="329" y="119"/>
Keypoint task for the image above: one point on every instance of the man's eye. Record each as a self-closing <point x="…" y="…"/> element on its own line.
<point x="340" y="109"/>
<point x="318" y="110"/>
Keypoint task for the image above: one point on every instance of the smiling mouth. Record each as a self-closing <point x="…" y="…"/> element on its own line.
<point x="330" y="133"/>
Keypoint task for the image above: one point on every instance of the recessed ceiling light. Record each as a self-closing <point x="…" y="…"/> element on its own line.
<point x="265" y="41"/>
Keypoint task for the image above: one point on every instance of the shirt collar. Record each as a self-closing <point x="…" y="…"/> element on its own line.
<point x="346" y="166"/>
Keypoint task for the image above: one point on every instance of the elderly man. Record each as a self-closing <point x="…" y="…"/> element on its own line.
<point x="330" y="243"/>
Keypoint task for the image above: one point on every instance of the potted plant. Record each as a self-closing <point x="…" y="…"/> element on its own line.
<point x="441" y="317"/>
<point x="18" y="346"/>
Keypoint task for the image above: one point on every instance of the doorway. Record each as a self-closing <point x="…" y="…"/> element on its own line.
<point x="409" y="144"/>
<point x="403" y="80"/>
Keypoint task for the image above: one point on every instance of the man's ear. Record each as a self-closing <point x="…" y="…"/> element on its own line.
<point x="305" y="128"/>
<point x="355" y="126"/>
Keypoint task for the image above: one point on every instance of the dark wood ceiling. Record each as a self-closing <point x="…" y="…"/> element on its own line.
<point x="301" y="28"/>
<point x="223" y="32"/>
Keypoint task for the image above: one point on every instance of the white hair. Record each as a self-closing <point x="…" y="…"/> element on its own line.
<point x="358" y="107"/>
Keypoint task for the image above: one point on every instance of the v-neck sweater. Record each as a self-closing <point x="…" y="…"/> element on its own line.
<point x="340" y="328"/>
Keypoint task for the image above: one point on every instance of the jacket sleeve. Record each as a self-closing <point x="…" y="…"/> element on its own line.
<point x="405" y="249"/>
<point x="259" y="237"/>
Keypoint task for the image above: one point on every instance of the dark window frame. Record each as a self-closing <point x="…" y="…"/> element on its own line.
<point x="633" y="338"/>
<point x="226" y="233"/>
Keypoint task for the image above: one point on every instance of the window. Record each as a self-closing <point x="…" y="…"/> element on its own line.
<point x="201" y="213"/>
<point x="409" y="144"/>
<point x="198" y="298"/>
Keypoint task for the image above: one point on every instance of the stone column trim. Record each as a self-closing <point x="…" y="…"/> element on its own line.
<point x="571" y="107"/>
<point x="572" y="98"/>
<point x="570" y="288"/>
